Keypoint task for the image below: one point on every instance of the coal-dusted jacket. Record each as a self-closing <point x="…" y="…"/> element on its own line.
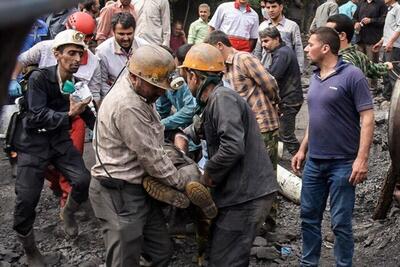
<point x="239" y="164"/>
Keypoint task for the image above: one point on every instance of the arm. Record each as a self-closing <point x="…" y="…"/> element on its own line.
<point x="262" y="78"/>
<point x="88" y="117"/>
<point x="298" y="47"/>
<point x="143" y="140"/>
<point x="104" y="25"/>
<point x="360" y="165"/>
<point x="163" y="106"/>
<point x="216" y="20"/>
<point x="191" y="34"/>
<point x="298" y="159"/>
<point x="105" y="87"/>
<point x="257" y="52"/>
<point x="313" y="25"/>
<point x="95" y="83"/>
<point x="184" y="116"/>
<point x="333" y="10"/>
<point x="380" y="19"/>
<point x="165" y="22"/>
<point x="39" y="115"/>
<point x="279" y="65"/>
<point x="228" y="120"/>
<point x="30" y="57"/>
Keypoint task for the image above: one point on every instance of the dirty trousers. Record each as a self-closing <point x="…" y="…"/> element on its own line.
<point x="132" y="224"/>
<point x="235" y="229"/>
<point x="30" y="179"/>
<point x="57" y="181"/>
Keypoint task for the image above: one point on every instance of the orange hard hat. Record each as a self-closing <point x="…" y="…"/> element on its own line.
<point x="204" y="57"/>
<point x="82" y="22"/>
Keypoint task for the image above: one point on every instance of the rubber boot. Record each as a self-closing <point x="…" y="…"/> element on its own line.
<point x="35" y="259"/>
<point x="165" y="193"/>
<point x="201" y="197"/>
<point x="68" y="216"/>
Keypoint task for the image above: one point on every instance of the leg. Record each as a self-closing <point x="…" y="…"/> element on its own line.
<point x="28" y="186"/>
<point x="390" y="79"/>
<point x="314" y="193"/>
<point x="77" y="134"/>
<point x="71" y="165"/>
<point x="287" y="127"/>
<point x="122" y="215"/>
<point x="157" y="242"/>
<point x="342" y="197"/>
<point x="235" y="230"/>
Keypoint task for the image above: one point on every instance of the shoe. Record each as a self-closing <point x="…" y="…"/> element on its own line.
<point x="67" y="214"/>
<point x="165" y="193"/>
<point x="201" y="197"/>
<point x="33" y="255"/>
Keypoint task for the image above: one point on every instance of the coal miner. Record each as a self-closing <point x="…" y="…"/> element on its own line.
<point x="132" y="165"/>
<point x="239" y="169"/>
<point x="42" y="138"/>
<point x="337" y="140"/>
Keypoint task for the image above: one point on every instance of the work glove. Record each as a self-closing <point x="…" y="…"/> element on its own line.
<point x="14" y="89"/>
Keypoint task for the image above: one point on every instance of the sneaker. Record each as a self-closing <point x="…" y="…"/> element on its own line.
<point x="165" y="193"/>
<point x="201" y="197"/>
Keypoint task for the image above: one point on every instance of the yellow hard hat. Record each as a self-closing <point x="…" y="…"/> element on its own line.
<point x="204" y="57"/>
<point x="69" y="37"/>
<point x="153" y="64"/>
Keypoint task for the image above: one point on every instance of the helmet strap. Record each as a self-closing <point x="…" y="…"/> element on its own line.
<point x="206" y="80"/>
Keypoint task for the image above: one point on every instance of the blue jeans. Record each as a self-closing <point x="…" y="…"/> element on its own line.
<point x="323" y="177"/>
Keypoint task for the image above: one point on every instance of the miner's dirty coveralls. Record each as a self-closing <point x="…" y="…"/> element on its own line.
<point x="42" y="138"/>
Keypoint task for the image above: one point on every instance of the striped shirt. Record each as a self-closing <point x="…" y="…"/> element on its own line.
<point x="361" y="60"/>
<point x="248" y="77"/>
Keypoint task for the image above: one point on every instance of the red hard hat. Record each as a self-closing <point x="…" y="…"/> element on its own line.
<point x="82" y="22"/>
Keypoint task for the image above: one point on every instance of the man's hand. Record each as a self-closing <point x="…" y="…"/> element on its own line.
<point x="207" y="180"/>
<point x="376" y="47"/>
<point x="297" y="161"/>
<point x="366" y="21"/>
<point x="14" y="89"/>
<point x="76" y="108"/>
<point x="389" y="65"/>
<point x="359" y="173"/>
<point x="389" y="46"/>
<point x="357" y="26"/>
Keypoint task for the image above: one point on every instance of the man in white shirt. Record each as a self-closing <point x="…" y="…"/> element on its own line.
<point x="116" y="51"/>
<point x="239" y="21"/>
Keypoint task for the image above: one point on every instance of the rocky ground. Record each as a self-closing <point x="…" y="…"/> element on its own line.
<point x="377" y="242"/>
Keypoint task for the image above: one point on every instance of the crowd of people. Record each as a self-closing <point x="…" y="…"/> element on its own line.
<point x="193" y="121"/>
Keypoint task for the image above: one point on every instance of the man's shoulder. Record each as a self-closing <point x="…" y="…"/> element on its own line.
<point x="291" y="23"/>
<point x="105" y="46"/>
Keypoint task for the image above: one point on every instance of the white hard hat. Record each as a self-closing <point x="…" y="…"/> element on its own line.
<point x="69" y="37"/>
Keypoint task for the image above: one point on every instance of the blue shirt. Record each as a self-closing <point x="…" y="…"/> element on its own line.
<point x="38" y="33"/>
<point x="348" y="9"/>
<point x="334" y="104"/>
<point x="185" y="105"/>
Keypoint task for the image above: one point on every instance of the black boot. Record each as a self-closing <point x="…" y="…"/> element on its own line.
<point x="35" y="259"/>
<point x="68" y="216"/>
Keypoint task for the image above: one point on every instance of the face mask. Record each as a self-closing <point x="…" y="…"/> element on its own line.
<point x="68" y="88"/>
<point x="264" y="13"/>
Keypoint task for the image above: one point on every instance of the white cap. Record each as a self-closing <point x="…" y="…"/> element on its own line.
<point x="69" y="37"/>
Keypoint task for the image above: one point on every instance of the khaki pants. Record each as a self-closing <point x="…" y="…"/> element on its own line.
<point x="132" y="224"/>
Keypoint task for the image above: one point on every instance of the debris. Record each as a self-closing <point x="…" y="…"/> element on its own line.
<point x="260" y="242"/>
<point x="267" y="253"/>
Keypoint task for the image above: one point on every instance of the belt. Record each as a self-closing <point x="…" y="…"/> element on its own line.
<point x="113" y="183"/>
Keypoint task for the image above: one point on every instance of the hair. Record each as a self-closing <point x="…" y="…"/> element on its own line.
<point x="279" y="2"/>
<point x="330" y="37"/>
<point x="217" y="36"/>
<point x="271" y="32"/>
<point x="204" y="5"/>
<point x="88" y="4"/>
<point x="182" y="51"/>
<point x="343" y="24"/>
<point x="125" y="19"/>
<point x="177" y="22"/>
